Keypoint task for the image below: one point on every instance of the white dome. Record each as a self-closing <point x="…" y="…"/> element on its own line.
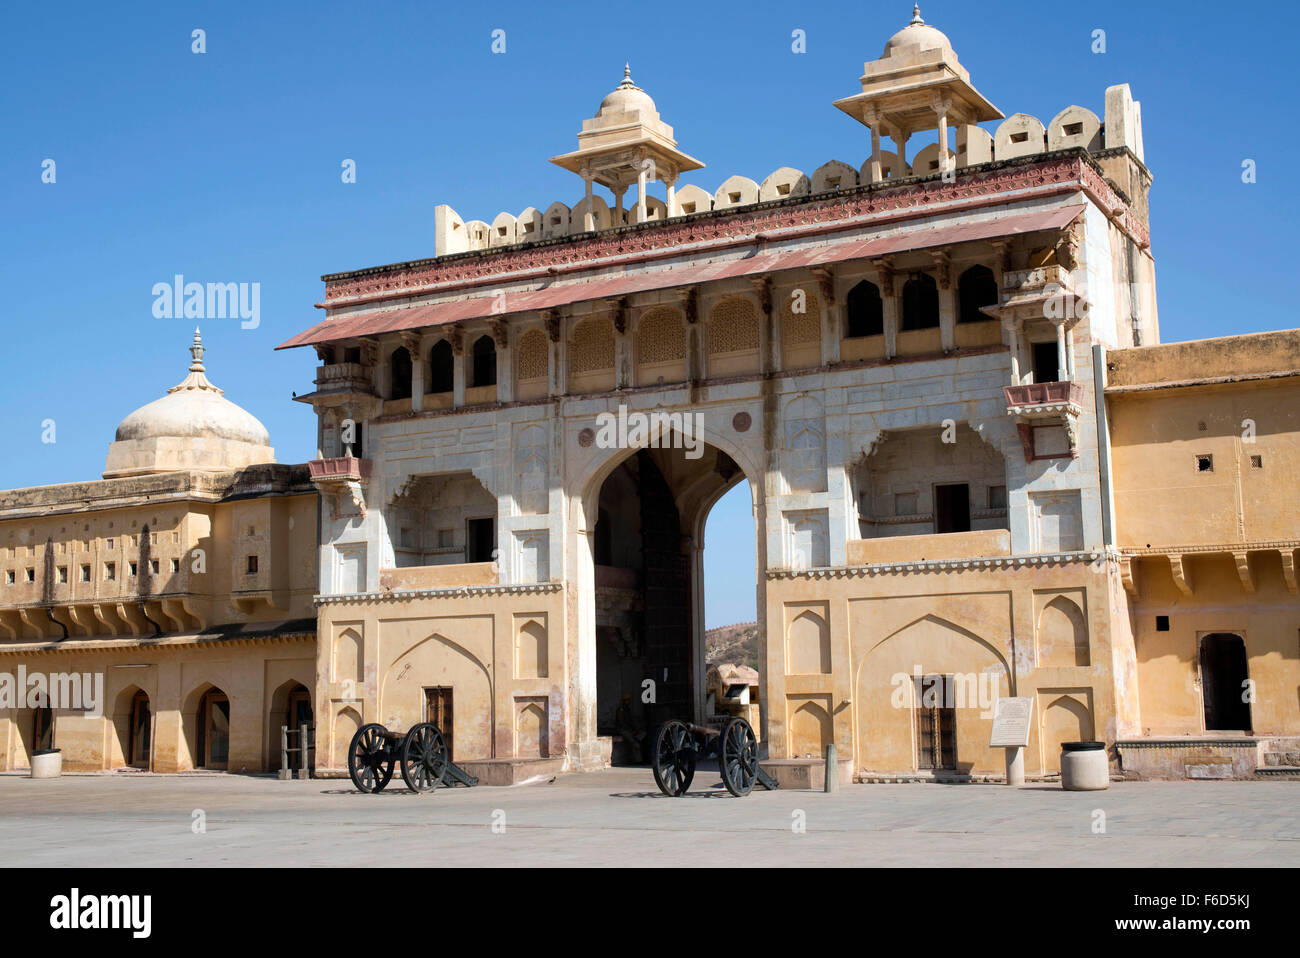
<point x="627" y="96"/>
<point x="917" y="34"/>
<point x="193" y="412"/>
<point x="192" y="427"/>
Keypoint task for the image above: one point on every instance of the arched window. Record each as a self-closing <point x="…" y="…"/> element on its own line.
<point x="400" y="374"/>
<point x="920" y="302"/>
<point x="485" y="362"/>
<point x="441" y="375"/>
<point x="977" y="287"/>
<point x="866" y="314"/>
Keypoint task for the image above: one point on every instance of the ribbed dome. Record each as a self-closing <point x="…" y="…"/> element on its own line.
<point x="193" y="409"/>
<point x="627" y="96"/>
<point x="917" y="34"/>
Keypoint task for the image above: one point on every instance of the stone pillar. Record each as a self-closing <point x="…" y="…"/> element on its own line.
<point x="640" y="189"/>
<point x="669" y="181"/>
<point x="457" y="340"/>
<point x="890" y="306"/>
<point x="947" y="300"/>
<point x="622" y="346"/>
<point x="872" y="119"/>
<point x="832" y="315"/>
<point x="588" y="218"/>
<point x="941" y="106"/>
<point x="1062" y="361"/>
<point x="1013" y="327"/>
<point x="618" y="205"/>
<point x="412" y="343"/>
<point x="555" y="333"/>
<point x="766" y="333"/>
<point x="900" y="138"/>
<point x="505" y="368"/>
<point x="1069" y="350"/>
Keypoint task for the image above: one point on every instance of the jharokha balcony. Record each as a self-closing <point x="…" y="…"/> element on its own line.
<point x="341" y="481"/>
<point x="1047" y="418"/>
<point x="1043" y="399"/>
<point x="340" y="469"/>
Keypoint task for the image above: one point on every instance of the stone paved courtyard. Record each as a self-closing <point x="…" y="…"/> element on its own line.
<point x="617" y="817"/>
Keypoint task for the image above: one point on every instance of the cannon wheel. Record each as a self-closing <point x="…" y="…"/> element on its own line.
<point x="674" y="758"/>
<point x="370" y="761"/>
<point x="424" y="757"/>
<point x="738" y="757"/>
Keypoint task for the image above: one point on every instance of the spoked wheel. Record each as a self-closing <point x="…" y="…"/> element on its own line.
<point x="424" y="757"/>
<point x="370" y="762"/>
<point x="674" y="758"/>
<point x="738" y="757"/>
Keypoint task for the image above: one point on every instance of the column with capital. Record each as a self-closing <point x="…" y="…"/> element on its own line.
<point x="669" y="179"/>
<point x="873" y="119"/>
<point x="900" y="137"/>
<point x="588" y="218"/>
<point x="643" y="163"/>
<point x="942" y="105"/>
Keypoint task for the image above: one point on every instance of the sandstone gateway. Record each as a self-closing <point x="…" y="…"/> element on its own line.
<point x="972" y="463"/>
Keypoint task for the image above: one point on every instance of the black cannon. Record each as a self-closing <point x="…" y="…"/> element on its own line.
<point x="425" y="759"/>
<point x="680" y="745"/>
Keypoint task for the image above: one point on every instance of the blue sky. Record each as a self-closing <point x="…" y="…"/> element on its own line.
<point x="225" y="166"/>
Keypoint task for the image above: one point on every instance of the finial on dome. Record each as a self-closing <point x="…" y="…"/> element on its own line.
<point x="627" y="83"/>
<point x="197" y="378"/>
<point x="916" y="16"/>
<point x="197" y="352"/>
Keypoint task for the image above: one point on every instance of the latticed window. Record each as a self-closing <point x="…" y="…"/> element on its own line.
<point x="804" y="326"/>
<point x="733" y="327"/>
<point x="661" y="336"/>
<point x="530" y="356"/>
<point x="591" y="348"/>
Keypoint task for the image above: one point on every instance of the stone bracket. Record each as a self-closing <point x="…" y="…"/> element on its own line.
<point x="1288" y="570"/>
<point x="1243" y="570"/>
<point x="1181" y="572"/>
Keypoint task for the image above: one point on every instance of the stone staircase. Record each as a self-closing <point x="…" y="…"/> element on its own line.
<point x="1279" y="758"/>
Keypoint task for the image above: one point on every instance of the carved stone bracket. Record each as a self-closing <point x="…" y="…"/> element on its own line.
<point x="552" y="320"/>
<point x="620" y="314"/>
<point x="763" y="289"/>
<point x="1128" y="575"/>
<point x="1182" y="573"/>
<point x="825" y="283"/>
<point x="690" y="302"/>
<point x="885" y="270"/>
<point x="500" y="332"/>
<point x="1288" y="570"/>
<point x="456" y="336"/>
<point x="943" y="268"/>
<point x="1242" y="560"/>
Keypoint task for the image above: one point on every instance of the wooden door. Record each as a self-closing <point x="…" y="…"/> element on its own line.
<point x="438" y="710"/>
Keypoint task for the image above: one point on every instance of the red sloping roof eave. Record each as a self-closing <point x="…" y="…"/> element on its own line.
<point x="479" y="307"/>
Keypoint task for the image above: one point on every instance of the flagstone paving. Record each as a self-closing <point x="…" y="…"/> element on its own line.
<point x="618" y="817"/>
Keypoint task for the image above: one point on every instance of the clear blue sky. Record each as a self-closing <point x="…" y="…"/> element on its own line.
<point x="225" y="166"/>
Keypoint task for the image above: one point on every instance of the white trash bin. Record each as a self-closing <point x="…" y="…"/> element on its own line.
<point x="47" y="763"/>
<point x="1084" y="766"/>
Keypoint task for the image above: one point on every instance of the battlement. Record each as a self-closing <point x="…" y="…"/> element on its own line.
<point x="1116" y="142"/>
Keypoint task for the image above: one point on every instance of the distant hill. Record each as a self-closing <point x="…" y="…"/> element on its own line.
<point x="737" y="644"/>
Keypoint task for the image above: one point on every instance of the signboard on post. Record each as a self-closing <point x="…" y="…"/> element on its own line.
<point x="1011" y="718"/>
